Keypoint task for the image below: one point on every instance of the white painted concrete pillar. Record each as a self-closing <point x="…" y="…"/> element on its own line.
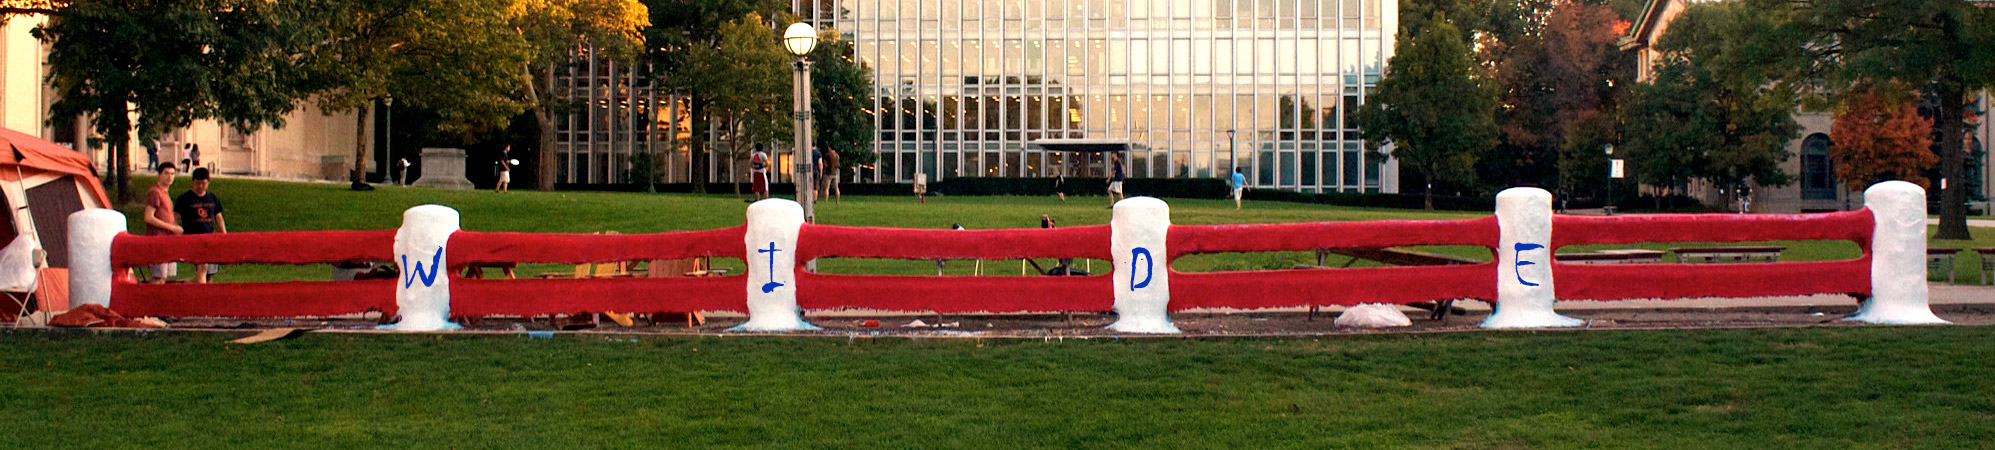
<point x="773" y="226"/>
<point x="423" y="292"/>
<point x="90" y="274"/>
<point x="1524" y="294"/>
<point x="1142" y="276"/>
<point x="1897" y="257"/>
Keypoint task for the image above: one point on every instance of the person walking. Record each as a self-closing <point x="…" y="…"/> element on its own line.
<point x="506" y="163"/>
<point x="921" y="186"/>
<point x="1060" y="186"/>
<point x="200" y="212"/>
<point x="1115" y="176"/>
<point x="1239" y="181"/>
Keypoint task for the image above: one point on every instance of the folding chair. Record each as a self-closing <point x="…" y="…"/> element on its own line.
<point x="25" y="261"/>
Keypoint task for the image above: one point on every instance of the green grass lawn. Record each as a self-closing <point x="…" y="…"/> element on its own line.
<point x="1870" y="387"/>
<point x="281" y="206"/>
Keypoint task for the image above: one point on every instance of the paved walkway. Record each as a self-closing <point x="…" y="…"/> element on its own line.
<point x="1976" y="223"/>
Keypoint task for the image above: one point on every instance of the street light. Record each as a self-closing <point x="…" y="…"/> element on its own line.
<point x="799" y="40"/>
<point x="1613" y="171"/>
<point x="388" y="141"/>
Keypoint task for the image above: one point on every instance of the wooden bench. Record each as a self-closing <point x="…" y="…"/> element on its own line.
<point x="1397" y="257"/>
<point x="1941" y="259"/>
<point x="1727" y="254"/>
<point x="1987" y="265"/>
<point x="1622" y="256"/>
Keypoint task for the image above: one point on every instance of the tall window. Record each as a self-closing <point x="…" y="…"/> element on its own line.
<point x="1818" y="176"/>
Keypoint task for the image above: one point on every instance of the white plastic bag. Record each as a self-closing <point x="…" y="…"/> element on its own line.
<point x="1372" y="315"/>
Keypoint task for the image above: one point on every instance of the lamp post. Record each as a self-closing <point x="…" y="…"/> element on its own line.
<point x="1613" y="171"/>
<point x="799" y="39"/>
<point x="1232" y="156"/>
<point x="388" y="141"/>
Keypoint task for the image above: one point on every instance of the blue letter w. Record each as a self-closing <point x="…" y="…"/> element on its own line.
<point x="412" y="272"/>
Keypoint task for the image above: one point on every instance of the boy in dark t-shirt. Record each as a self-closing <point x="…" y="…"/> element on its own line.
<point x="200" y="213"/>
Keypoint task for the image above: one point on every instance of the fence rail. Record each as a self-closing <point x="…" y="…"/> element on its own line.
<point x="1140" y="241"/>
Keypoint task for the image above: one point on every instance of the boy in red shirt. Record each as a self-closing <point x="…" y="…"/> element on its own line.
<point x="160" y="220"/>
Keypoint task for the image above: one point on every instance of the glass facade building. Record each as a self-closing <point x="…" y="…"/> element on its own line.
<point x="617" y="113"/>
<point x="973" y="88"/>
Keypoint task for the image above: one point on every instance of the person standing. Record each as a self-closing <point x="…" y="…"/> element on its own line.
<point x="152" y="154"/>
<point x="193" y="156"/>
<point x="1114" y="179"/>
<point x="200" y="212"/>
<point x="830" y="176"/>
<point x="921" y="186"/>
<point x="159" y="219"/>
<point x="1239" y="181"/>
<point x="758" y="171"/>
<point x="506" y="163"/>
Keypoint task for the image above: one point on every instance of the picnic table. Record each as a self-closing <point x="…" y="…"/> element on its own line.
<point x="1727" y="254"/>
<point x="1617" y="256"/>
<point x="1987" y="265"/>
<point x="1941" y="259"/>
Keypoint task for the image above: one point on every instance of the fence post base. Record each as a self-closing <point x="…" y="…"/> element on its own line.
<point x="1142" y="275"/>
<point x="1898" y="293"/>
<point x="773" y="226"/>
<point x="90" y="274"/>
<point x="423" y="293"/>
<point x="1524" y="294"/>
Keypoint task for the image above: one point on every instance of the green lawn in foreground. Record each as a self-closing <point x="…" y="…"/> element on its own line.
<point x="281" y="206"/>
<point x="1871" y="387"/>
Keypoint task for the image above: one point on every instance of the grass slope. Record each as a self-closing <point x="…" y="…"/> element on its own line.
<point x="1872" y="387"/>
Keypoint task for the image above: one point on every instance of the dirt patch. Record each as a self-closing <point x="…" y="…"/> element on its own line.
<point x="1252" y="323"/>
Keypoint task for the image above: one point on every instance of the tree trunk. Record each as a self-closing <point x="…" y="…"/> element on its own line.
<point x="544" y="156"/>
<point x="697" y="173"/>
<point x="1427" y="195"/>
<point x="359" y="174"/>
<point x="120" y="166"/>
<point x="1953" y="192"/>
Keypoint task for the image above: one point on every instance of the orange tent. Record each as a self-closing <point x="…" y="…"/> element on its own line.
<point x="43" y="183"/>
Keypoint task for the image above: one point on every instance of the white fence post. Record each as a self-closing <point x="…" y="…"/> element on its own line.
<point x="1897" y="257"/>
<point x="90" y="274"/>
<point x="773" y="226"/>
<point x="1524" y="294"/>
<point x="1142" y="277"/>
<point x="423" y="292"/>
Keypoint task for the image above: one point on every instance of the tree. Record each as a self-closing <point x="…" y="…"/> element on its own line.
<point x="1943" y="46"/>
<point x="458" y="58"/>
<point x="1664" y="128"/>
<point x="1558" y="83"/>
<point x="684" y="36"/>
<point x="748" y="87"/>
<point x="1879" y="136"/>
<point x="1721" y="105"/>
<point x="553" y="30"/>
<point x="841" y="94"/>
<point x="171" y="62"/>
<point x="1433" y="106"/>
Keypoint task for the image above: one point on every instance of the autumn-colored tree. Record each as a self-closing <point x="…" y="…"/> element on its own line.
<point x="1879" y="136"/>
<point x="1558" y="82"/>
